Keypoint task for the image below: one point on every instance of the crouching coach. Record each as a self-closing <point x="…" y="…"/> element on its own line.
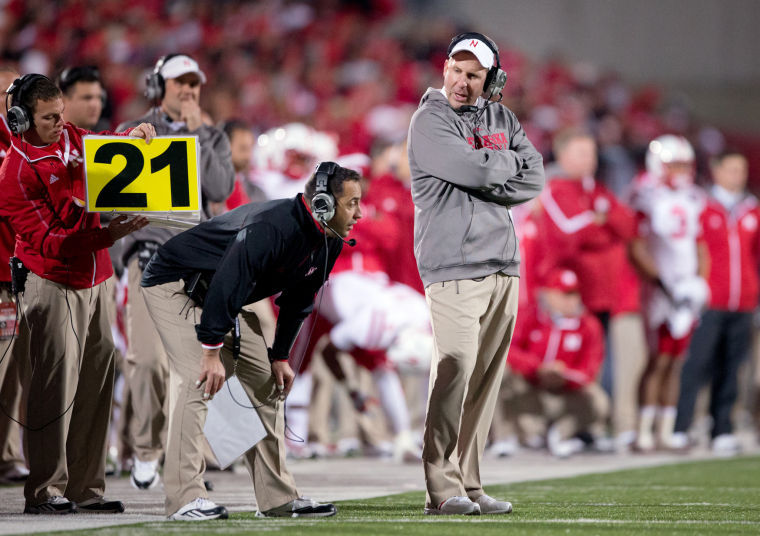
<point x="285" y="246"/>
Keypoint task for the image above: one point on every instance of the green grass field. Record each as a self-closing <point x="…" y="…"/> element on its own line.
<point x="711" y="497"/>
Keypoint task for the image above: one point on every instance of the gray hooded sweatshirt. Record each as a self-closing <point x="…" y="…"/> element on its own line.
<point x="468" y="168"/>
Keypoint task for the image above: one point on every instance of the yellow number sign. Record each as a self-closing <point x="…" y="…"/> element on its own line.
<point x="125" y="174"/>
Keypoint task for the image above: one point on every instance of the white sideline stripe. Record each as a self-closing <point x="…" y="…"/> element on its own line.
<point x="510" y="519"/>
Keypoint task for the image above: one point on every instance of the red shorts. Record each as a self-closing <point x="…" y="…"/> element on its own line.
<point x="668" y="345"/>
<point x="370" y="359"/>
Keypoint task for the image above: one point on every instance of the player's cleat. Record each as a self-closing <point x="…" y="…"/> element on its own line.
<point x="489" y="505"/>
<point x="301" y="507"/>
<point x="454" y="506"/>
<point x="54" y="505"/>
<point x="200" y="509"/>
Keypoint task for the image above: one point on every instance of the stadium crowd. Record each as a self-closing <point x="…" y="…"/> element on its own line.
<point x="644" y="239"/>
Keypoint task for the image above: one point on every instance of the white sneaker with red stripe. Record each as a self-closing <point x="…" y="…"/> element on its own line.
<point x="454" y="506"/>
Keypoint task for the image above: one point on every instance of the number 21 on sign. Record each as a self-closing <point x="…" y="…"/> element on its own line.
<point x="125" y="174"/>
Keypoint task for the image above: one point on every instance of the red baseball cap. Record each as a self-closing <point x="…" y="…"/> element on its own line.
<point x="562" y="279"/>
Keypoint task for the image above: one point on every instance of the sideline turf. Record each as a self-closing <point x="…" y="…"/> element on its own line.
<point x="709" y="497"/>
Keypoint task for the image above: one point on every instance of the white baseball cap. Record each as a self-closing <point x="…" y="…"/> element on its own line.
<point x="481" y="50"/>
<point x="179" y="65"/>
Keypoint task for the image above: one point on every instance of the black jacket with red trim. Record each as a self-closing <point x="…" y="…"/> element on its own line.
<point x="251" y="253"/>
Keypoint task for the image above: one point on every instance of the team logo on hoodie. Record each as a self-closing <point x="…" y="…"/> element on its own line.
<point x="495" y="141"/>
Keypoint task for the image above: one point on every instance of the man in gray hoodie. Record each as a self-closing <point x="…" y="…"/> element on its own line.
<point x="470" y="161"/>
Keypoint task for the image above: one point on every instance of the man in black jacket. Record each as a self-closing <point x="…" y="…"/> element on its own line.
<point x="285" y="246"/>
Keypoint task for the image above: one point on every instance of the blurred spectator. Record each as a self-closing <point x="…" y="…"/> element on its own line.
<point x="285" y="157"/>
<point x="83" y="99"/>
<point x="555" y="355"/>
<point x="722" y="339"/>
<point x="667" y="251"/>
<point x="242" y="143"/>
<point x="83" y="96"/>
<point x="582" y="225"/>
<point x="389" y="197"/>
<point x="174" y="89"/>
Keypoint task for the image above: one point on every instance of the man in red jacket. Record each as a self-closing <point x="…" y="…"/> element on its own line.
<point x="64" y="304"/>
<point x="13" y="370"/>
<point x="721" y="341"/>
<point x="555" y="355"/>
<point x="583" y="226"/>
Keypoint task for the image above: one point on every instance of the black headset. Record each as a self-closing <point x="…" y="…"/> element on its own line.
<point x="20" y="118"/>
<point x="496" y="79"/>
<point x="81" y="73"/>
<point x="323" y="202"/>
<point x="155" y="84"/>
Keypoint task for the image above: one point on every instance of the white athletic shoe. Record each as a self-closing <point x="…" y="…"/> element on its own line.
<point x="455" y="506"/>
<point x="489" y="505"/>
<point x="144" y="475"/>
<point x="645" y="442"/>
<point x="200" y="509"/>
<point x="679" y="441"/>
<point x="562" y="448"/>
<point x="726" y="445"/>
<point x="504" y="448"/>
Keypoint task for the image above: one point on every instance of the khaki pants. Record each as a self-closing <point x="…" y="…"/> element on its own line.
<point x="146" y="374"/>
<point x="528" y="410"/>
<point x="629" y="349"/>
<point x="175" y="318"/>
<point x="472" y="322"/>
<point x="70" y="390"/>
<point x="14" y="376"/>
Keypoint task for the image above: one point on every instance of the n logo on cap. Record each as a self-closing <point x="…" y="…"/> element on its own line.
<point x="474" y="43"/>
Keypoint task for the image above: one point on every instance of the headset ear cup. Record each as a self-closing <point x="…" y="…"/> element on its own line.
<point x="18" y="120"/>
<point x="495" y="81"/>
<point x="154" y="87"/>
<point x="323" y="206"/>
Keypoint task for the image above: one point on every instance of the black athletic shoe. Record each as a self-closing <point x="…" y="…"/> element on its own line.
<point x="54" y="505"/>
<point x="301" y="507"/>
<point x="99" y="505"/>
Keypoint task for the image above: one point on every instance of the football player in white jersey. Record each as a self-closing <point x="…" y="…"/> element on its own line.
<point x="669" y="254"/>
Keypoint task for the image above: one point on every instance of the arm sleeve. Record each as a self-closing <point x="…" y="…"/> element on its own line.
<point x="529" y="180"/>
<point x="233" y="283"/>
<point x="33" y="217"/>
<point x="442" y="151"/>
<point x="218" y="176"/>
<point x="297" y="302"/>
<point x="621" y="220"/>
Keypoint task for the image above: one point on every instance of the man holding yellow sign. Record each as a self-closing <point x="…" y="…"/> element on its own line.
<point x="63" y="249"/>
<point x="174" y="89"/>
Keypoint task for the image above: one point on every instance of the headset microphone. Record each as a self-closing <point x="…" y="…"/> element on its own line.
<point x="351" y="242"/>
